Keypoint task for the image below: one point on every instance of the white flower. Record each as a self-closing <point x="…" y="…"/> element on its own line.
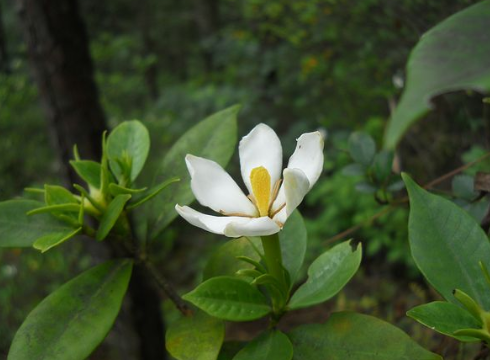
<point x="271" y="200"/>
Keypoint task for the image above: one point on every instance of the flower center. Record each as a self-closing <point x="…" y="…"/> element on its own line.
<point x="260" y="180"/>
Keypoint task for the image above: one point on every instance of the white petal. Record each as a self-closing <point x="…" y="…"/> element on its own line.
<point x="261" y="147"/>
<point x="253" y="227"/>
<point x="214" y="224"/>
<point x="214" y="187"/>
<point x="293" y="190"/>
<point x="308" y="156"/>
<point x="231" y="226"/>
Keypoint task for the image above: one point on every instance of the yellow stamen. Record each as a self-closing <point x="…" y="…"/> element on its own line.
<point x="261" y="189"/>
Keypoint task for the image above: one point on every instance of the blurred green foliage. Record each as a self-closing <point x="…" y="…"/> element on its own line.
<point x="298" y="66"/>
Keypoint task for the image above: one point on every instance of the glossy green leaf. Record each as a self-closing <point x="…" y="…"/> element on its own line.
<point x="153" y="192"/>
<point x="445" y="318"/>
<point x="89" y="171"/>
<point x="49" y="241"/>
<point x="451" y="56"/>
<point x="213" y="138"/>
<point x="55" y="209"/>
<point x="293" y="239"/>
<point x="20" y="230"/>
<point x="327" y="275"/>
<point x="71" y="322"/>
<point x="197" y="337"/>
<point x="224" y="260"/>
<point x="129" y="141"/>
<point x="351" y="336"/>
<point x="271" y="345"/>
<point x="111" y="215"/>
<point x="229" y="298"/>
<point x="447" y="245"/>
<point x="362" y="148"/>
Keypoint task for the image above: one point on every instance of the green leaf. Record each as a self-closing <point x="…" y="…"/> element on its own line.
<point x="365" y="187"/>
<point x="20" y="230"/>
<point x="224" y="260"/>
<point x="445" y="318"/>
<point x="354" y="170"/>
<point x="55" y="209"/>
<point x="229" y="298"/>
<point x="153" y="192"/>
<point x="197" y="337"/>
<point x="382" y="164"/>
<point x="327" y="275"/>
<point x="49" y="241"/>
<point x="451" y="56"/>
<point x="213" y="138"/>
<point x="362" y="148"/>
<point x="129" y="141"/>
<point x="293" y="239"/>
<point x="447" y="245"/>
<point x="462" y="186"/>
<point x="116" y="189"/>
<point x="89" y="171"/>
<point x="71" y="322"/>
<point x="57" y="195"/>
<point x="111" y="215"/>
<point x="271" y="345"/>
<point x="351" y="336"/>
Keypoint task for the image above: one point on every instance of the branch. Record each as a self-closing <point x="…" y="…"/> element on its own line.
<point x="166" y="287"/>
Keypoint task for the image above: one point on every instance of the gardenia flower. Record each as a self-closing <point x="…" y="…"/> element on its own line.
<point x="270" y="201"/>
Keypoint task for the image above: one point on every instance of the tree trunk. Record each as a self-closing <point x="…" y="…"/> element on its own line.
<point x="4" y="60"/>
<point x="58" y="49"/>
<point x="207" y="20"/>
<point x="57" y="46"/>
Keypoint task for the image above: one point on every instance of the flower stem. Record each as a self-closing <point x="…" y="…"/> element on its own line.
<point x="273" y="261"/>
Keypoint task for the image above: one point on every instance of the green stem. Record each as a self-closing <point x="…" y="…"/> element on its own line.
<point x="273" y="260"/>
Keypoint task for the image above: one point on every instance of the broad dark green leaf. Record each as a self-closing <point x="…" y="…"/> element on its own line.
<point x="327" y="275"/>
<point x="197" y="337"/>
<point x="445" y="318"/>
<point x="351" y="336"/>
<point x="229" y="298"/>
<point x="362" y="148"/>
<point x="447" y="244"/>
<point x="111" y="215"/>
<point x="213" y="138"/>
<point x="71" y="322"/>
<point x="451" y="56"/>
<point x="271" y="345"/>
<point x="293" y="239"/>
<point x="49" y="241"/>
<point x="224" y="260"/>
<point x="89" y="171"/>
<point x="20" y="230"/>
<point x="128" y="141"/>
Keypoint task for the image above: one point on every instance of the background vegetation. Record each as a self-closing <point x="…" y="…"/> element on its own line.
<point x="332" y="65"/>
